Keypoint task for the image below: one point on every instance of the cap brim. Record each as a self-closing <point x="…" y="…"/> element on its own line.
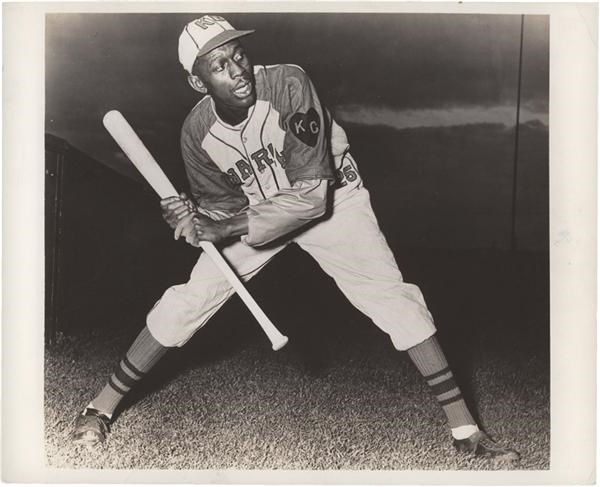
<point x="222" y="38"/>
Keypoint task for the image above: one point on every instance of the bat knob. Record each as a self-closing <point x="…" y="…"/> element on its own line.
<point x="280" y="342"/>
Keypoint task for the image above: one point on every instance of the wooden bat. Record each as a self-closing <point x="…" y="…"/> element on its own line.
<point x="139" y="155"/>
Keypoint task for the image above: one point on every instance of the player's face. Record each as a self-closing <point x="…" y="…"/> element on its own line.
<point x="227" y="75"/>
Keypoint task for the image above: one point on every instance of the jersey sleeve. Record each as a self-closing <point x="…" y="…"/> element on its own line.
<point x="305" y="146"/>
<point x="213" y="192"/>
<point x="285" y="212"/>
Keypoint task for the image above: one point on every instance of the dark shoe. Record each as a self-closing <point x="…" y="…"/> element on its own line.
<point x="480" y="444"/>
<point x="91" y="428"/>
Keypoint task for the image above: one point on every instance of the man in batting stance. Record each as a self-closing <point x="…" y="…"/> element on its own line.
<point x="268" y="166"/>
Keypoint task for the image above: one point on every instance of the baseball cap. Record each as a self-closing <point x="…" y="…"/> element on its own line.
<point x="203" y="35"/>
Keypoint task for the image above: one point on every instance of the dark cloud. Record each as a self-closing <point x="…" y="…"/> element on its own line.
<point x="438" y="117"/>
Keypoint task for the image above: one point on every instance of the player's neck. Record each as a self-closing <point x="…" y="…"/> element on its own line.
<point x="231" y="116"/>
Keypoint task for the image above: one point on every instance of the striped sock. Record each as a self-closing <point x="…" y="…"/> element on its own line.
<point x="431" y="362"/>
<point x="139" y="359"/>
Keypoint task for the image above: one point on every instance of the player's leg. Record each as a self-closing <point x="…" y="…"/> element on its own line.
<point x="351" y="248"/>
<point x="429" y="359"/>
<point x="91" y="426"/>
<point x="181" y="311"/>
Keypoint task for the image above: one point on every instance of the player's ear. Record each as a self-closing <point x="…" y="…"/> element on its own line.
<point x="197" y="84"/>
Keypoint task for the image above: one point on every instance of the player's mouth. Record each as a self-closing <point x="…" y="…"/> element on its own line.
<point x="244" y="90"/>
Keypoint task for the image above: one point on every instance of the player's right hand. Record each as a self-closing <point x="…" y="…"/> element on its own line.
<point x="175" y="208"/>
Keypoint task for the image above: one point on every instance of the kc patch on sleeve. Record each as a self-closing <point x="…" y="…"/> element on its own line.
<point x="306" y="126"/>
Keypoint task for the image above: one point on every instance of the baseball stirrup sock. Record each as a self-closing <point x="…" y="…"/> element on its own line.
<point x="139" y="359"/>
<point x="431" y="362"/>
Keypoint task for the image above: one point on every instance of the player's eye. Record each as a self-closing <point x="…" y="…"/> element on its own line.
<point x="239" y="56"/>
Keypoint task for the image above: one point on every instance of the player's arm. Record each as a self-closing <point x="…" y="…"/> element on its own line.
<point x="280" y="215"/>
<point x="306" y="147"/>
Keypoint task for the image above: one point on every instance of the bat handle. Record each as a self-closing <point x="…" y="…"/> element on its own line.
<point x="278" y="340"/>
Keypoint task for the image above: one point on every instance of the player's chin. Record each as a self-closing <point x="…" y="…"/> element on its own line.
<point x="245" y="101"/>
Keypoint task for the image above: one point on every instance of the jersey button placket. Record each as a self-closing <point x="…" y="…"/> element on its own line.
<point x="244" y="139"/>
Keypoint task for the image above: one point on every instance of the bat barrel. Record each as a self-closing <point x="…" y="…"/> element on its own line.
<point x="138" y="154"/>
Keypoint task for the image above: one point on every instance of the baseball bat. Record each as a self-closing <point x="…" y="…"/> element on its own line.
<point x="138" y="154"/>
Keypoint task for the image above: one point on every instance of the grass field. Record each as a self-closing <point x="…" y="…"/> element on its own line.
<point x="338" y="396"/>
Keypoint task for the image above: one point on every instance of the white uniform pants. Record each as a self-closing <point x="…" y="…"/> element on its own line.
<point x="348" y="246"/>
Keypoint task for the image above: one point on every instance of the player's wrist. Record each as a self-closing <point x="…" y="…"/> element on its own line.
<point x="235" y="226"/>
<point x="221" y="230"/>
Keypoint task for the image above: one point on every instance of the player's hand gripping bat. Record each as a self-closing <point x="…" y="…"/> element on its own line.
<point x="135" y="149"/>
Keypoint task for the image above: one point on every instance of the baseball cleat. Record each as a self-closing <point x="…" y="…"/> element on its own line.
<point x="481" y="445"/>
<point x="91" y="428"/>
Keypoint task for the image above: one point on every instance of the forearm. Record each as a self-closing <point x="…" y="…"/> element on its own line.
<point x="280" y="215"/>
<point x="235" y="226"/>
<point x="286" y="212"/>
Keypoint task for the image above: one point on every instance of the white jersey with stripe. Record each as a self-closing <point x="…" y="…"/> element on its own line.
<point x="287" y="137"/>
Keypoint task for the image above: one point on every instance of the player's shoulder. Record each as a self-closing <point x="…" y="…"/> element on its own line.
<point x="199" y="120"/>
<point x="282" y="74"/>
<point x="280" y="69"/>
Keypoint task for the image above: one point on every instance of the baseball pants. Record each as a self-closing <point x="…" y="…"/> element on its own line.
<point x="348" y="246"/>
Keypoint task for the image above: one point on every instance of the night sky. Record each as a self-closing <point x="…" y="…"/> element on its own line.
<point x="398" y="70"/>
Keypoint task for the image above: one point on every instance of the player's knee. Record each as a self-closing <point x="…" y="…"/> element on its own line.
<point x="176" y="316"/>
<point x="171" y="333"/>
<point x="403" y="342"/>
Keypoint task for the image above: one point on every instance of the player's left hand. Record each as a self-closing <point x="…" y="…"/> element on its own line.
<point x="176" y="208"/>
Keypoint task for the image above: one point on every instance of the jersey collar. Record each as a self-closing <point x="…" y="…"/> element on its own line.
<point x="240" y="126"/>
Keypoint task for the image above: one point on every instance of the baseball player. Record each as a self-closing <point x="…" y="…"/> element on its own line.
<point x="268" y="166"/>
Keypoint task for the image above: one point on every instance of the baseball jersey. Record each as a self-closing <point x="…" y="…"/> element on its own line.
<point x="273" y="161"/>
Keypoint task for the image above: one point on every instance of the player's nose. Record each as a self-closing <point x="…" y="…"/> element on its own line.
<point x="235" y="70"/>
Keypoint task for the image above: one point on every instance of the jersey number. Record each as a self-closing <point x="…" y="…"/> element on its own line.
<point x="344" y="175"/>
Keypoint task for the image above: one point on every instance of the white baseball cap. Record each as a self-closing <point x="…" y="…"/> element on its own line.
<point x="203" y="35"/>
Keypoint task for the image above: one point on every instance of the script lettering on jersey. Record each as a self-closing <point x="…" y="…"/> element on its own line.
<point x="306" y="126"/>
<point x="261" y="157"/>
<point x="244" y="169"/>
<point x="233" y="177"/>
<point x="208" y="20"/>
<point x="277" y="155"/>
